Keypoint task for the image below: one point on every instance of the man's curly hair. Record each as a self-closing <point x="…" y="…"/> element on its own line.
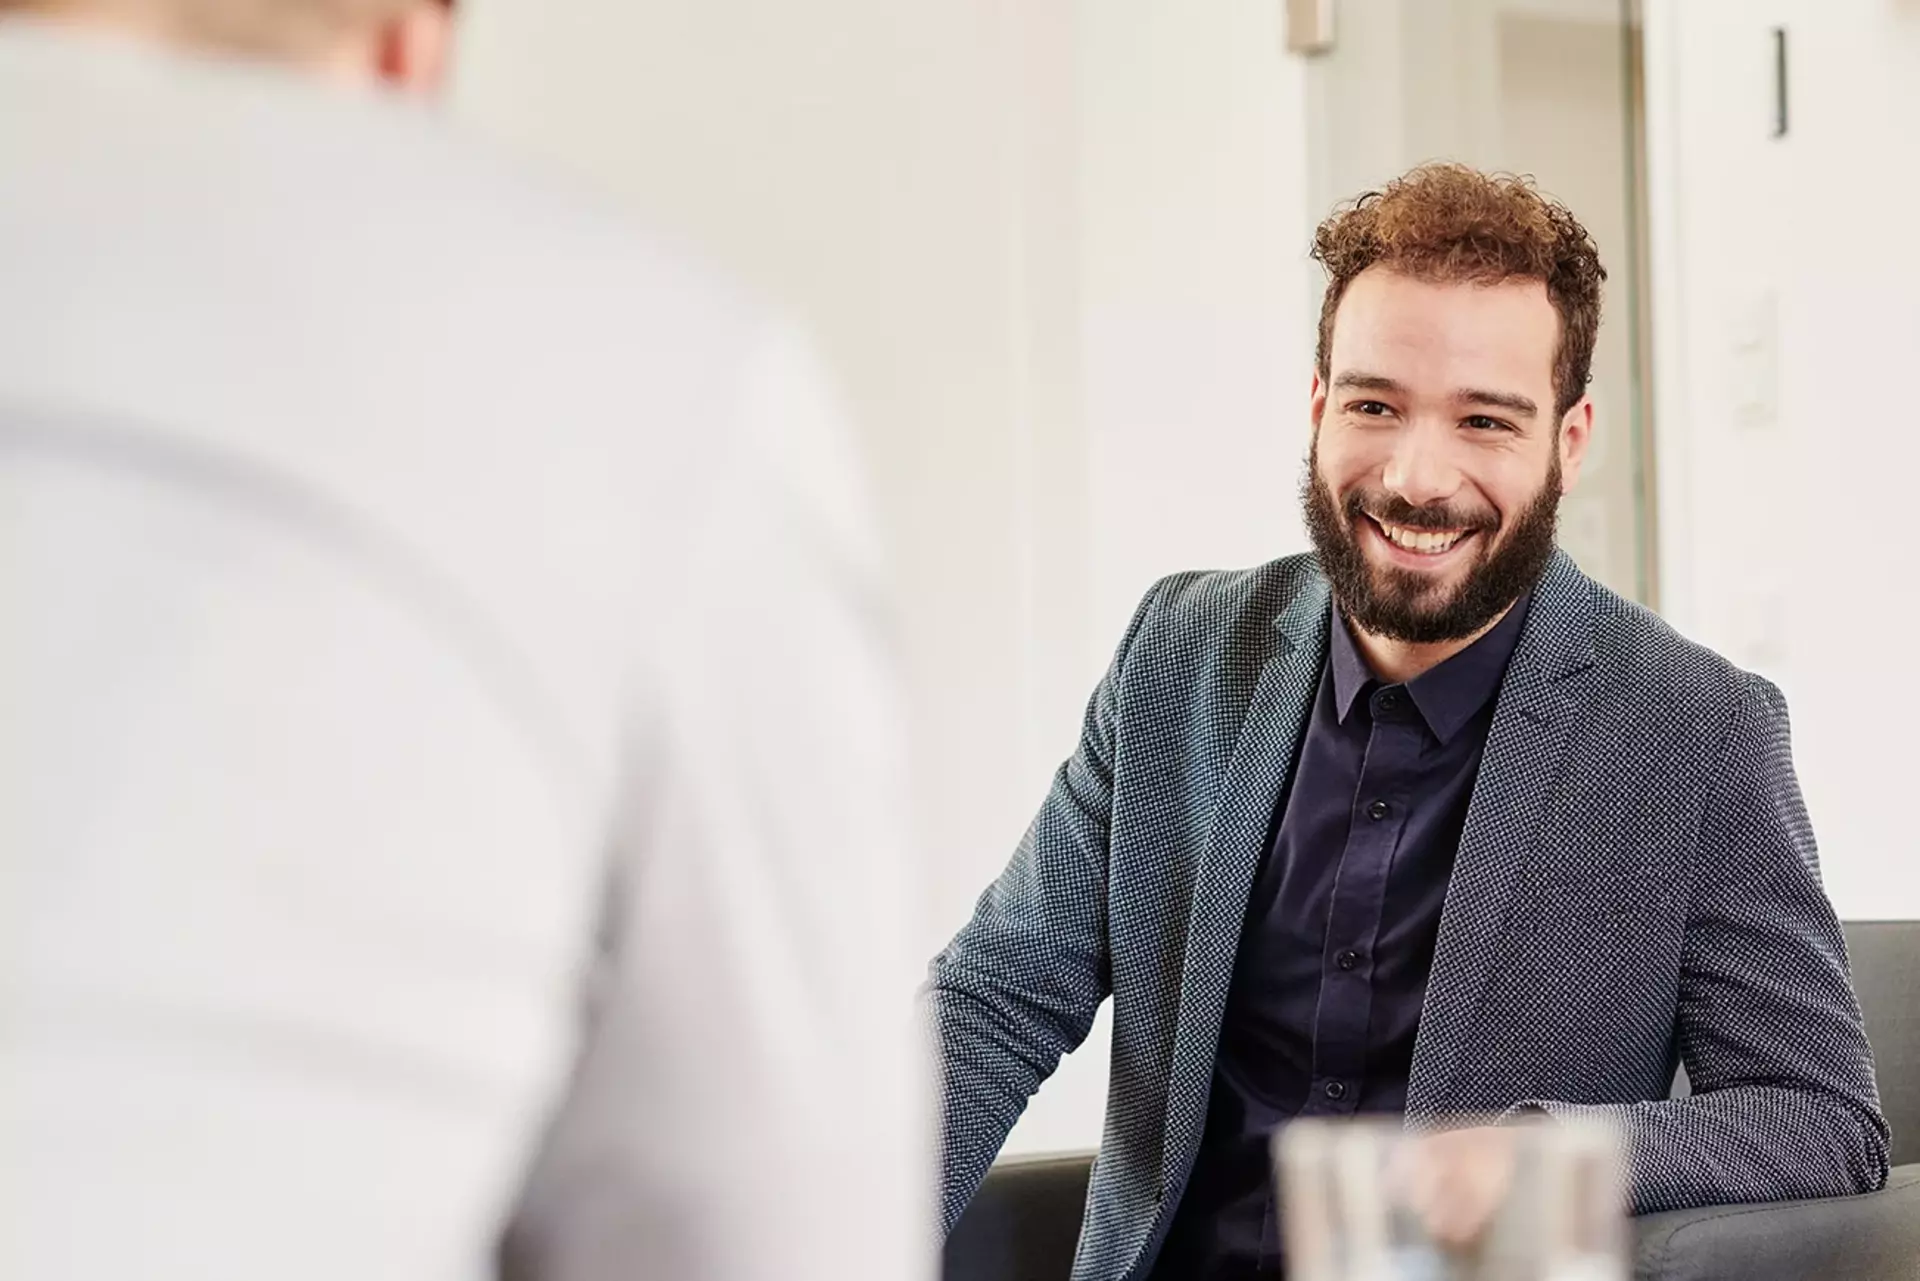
<point x="1451" y="223"/>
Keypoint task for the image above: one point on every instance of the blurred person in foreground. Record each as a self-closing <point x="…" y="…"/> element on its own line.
<point x="422" y="598"/>
<point x="1424" y="823"/>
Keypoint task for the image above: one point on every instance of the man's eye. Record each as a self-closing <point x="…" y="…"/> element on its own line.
<point x="1480" y="422"/>
<point x="1371" y="408"/>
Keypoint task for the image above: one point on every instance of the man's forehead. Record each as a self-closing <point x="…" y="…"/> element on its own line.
<point x="1402" y="327"/>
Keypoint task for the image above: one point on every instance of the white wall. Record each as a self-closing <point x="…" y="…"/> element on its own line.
<point x="1196" y="325"/>
<point x="1055" y="254"/>
<point x="1787" y="327"/>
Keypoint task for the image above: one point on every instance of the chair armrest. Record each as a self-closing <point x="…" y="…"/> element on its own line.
<point x="1858" y="1238"/>
<point x="1023" y="1224"/>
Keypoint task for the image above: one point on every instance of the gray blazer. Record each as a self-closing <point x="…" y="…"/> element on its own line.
<point x="1636" y="887"/>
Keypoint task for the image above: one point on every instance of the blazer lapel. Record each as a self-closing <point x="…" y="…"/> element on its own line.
<point x="1539" y="709"/>
<point x="1255" y="778"/>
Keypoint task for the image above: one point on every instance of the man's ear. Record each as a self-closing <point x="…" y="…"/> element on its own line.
<point x="1576" y="431"/>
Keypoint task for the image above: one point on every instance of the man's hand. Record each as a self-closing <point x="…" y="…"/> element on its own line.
<point x="1455" y="1182"/>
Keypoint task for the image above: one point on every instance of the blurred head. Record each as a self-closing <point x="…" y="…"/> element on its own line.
<point x="400" y="42"/>
<point x="1449" y="397"/>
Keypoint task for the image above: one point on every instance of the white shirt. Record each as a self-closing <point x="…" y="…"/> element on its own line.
<point x="389" y="547"/>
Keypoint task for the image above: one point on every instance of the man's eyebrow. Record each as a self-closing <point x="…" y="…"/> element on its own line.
<point x="1511" y="401"/>
<point x="1358" y="380"/>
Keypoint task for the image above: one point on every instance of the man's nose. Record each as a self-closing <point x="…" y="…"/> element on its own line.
<point x="1421" y="470"/>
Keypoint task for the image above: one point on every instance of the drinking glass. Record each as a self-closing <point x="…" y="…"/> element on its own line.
<point x="1368" y="1200"/>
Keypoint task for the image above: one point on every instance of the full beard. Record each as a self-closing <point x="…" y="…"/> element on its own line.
<point x="1405" y="605"/>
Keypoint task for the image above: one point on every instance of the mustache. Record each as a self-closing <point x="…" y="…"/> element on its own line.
<point x="1389" y="509"/>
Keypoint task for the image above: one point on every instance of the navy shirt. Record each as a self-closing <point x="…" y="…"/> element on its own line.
<point x="1340" y="932"/>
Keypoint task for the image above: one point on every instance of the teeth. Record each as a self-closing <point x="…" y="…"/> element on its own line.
<point x="1421" y="540"/>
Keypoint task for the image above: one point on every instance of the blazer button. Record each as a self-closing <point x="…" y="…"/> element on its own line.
<point x="1379" y="810"/>
<point x="1336" y="1090"/>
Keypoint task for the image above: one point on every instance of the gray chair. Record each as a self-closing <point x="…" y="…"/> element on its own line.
<point x="1025" y="1221"/>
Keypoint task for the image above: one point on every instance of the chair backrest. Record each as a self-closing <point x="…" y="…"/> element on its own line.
<point x="1023" y="1224"/>
<point x="1886" y="974"/>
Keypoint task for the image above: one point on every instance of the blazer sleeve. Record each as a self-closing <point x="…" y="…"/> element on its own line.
<point x="1784" y="1105"/>
<point x="1020" y="984"/>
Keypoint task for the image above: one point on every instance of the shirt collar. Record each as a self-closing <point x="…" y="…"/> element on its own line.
<point x="1447" y="696"/>
<point x="1351" y="675"/>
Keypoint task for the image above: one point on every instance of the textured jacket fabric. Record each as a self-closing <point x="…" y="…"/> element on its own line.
<point x="1637" y="887"/>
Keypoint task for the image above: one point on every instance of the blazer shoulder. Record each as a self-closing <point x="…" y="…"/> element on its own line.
<point x="1674" y="673"/>
<point x="1218" y="602"/>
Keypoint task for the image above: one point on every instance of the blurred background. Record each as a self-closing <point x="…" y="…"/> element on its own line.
<point x="1055" y="251"/>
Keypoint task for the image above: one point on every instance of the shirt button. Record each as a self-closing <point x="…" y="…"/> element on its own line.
<point x="1390" y="701"/>
<point x="1347" y="960"/>
<point x="1379" y="810"/>
<point x="1336" y="1090"/>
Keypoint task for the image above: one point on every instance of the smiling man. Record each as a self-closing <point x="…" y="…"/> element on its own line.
<point x="1424" y="823"/>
